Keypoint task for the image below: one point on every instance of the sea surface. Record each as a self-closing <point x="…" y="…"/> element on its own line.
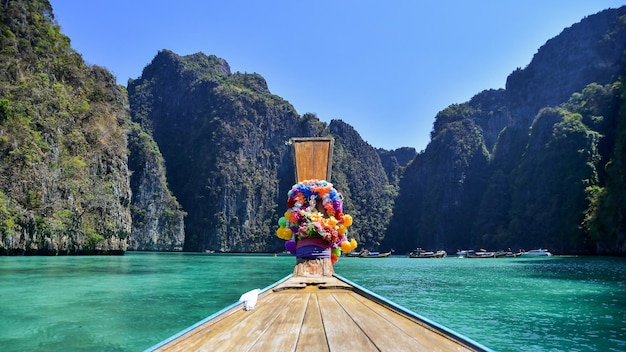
<point x="132" y="302"/>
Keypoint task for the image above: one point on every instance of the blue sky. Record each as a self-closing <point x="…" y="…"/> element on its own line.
<point x="385" y="67"/>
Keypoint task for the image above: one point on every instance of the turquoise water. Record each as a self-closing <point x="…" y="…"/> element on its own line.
<point x="131" y="302"/>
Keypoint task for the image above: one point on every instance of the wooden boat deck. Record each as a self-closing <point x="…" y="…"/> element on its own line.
<point x="317" y="314"/>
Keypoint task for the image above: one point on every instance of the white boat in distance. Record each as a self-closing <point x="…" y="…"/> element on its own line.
<point x="537" y="253"/>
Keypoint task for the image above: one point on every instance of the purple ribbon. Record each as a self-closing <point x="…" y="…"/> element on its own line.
<point x="312" y="252"/>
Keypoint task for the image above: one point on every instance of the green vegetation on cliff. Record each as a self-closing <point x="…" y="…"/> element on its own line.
<point x="206" y="155"/>
<point x="63" y="154"/>
<point x="605" y="218"/>
<point x="224" y="137"/>
<point x="157" y="218"/>
<point x="539" y="164"/>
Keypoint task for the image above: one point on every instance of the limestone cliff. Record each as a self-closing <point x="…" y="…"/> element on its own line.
<point x="158" y="221"/>
<point x="63" y="158"/>
<point x="207" y="161"/>
<point x="522" y="166"/>
<point x="224" y="138"/>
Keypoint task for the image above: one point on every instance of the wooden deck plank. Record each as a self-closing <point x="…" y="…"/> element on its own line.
<point x="420" y="335"/>
<point x="282" y="334"/>
<point x="312" y="336"/>
<point x="317" y="314"/>
<point x="377" y="326"/>
<point x="341" y="331"/>
<point x="193" y="340"/>
<point x="233" y="331"/>
<point x="379" y="323"/>
<point x="245" y="331"/>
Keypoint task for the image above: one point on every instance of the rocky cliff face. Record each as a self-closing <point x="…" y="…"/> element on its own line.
<point x="539" y="163"/>
<point x="224" y="139"/>
<point x="368" y="194"/>
<point x="71" y="155"/>
<point x="63" y="155"/>
<point x="395" y="161"/>
<point x="222" y="136"/>
<point x="158" y="221"/>
<point x="589" y="51"/>
<point x="501" y="172"/>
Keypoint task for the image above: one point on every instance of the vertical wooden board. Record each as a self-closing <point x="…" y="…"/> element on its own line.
<point x="313" y="158"/>
<point x="342" y="332"/>
<point x="312" y="336"/>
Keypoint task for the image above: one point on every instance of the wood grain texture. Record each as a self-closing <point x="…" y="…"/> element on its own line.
<point x="315" y="314"/>
<point x="313" y="157"/>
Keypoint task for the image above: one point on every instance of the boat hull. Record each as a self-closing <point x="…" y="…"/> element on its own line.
<point x="438" y="254"/>
<point x="537" y="253"/>
<point x="380" y="255"/>
<point x="317" y="314"/>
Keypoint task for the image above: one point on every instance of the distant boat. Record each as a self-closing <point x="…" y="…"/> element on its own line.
<point x="470" y="253"/>
<point x="513" y="254"/>
<point x="420" y="253"/>
<point x="367" y="254"/>
<point x="481" y="254"/>
<point x="462" y="253"/>
<point x="352" y="254"/>
<point x="537" y="253"/>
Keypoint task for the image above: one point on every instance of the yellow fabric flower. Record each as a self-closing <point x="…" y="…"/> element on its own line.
<point x="347" y="220"/>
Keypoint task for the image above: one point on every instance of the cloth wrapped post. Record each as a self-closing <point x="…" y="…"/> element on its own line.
<point x="313" y="258"/>
<point x="312" y="248"/>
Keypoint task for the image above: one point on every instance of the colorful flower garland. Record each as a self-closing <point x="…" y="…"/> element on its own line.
<point x="305" y="218"/>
